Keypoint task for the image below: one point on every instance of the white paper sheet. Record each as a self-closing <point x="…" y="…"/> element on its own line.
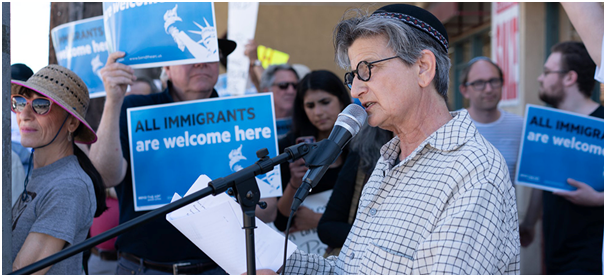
<point x="214" y="224"/>
<point x="308" y="240"/>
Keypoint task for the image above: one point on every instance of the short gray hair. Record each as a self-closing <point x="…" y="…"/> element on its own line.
<point x="406" y="41"/>
<point x="269" y="75"/>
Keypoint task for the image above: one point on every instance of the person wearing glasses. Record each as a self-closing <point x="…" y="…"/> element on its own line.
<point x="62" y="190"/>
<point x="281" y="80"/>
<point x="20" y="154"/>
<point x="320" y="97"/>
<point x="573" y="221"/>
<point x="439" y="200"/>
<point x="481" y="83"/>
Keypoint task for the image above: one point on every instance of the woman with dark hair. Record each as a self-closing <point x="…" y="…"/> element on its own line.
<point x="321" y="96"/>
<point x="64" y="191"/>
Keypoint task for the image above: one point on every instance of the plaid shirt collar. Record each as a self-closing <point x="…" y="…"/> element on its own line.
<point x="452" y="135"/>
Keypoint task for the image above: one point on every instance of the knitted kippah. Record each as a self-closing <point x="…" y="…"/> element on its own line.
<point x="418" y="18"/>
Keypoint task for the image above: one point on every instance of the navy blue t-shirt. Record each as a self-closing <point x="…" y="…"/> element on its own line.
<point x="156" y="240"/>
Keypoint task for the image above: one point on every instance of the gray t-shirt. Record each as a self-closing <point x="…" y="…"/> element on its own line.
<point x="505" y="134"/>
<point x="61" y="203"/>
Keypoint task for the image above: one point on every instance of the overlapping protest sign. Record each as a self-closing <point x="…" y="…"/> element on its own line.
<point x="557" y="145"/>
<point x="80" y="46"/>
<point x="156" y="34"/>
<point x="172" y="144"/>
<point x="269" y="56"/>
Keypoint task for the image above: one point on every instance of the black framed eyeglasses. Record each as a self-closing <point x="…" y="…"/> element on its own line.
<point x="40" y="106"/>
<point x="479" y="85"/>
<point x="363" y="71"/>
<point x="284" y="85"/>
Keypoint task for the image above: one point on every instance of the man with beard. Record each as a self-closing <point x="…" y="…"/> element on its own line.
<point x="573" y="222"/>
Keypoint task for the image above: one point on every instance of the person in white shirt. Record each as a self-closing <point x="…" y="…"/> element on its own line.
<point x="481" y="84"/>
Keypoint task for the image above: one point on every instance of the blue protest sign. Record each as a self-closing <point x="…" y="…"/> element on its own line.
<point x="172" y="144"/>
<point x="557" y="145"/>
<point x="80" y="46"/>
<point x="157" y="34"/>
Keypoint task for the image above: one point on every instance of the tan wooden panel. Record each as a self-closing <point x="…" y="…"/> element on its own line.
<point x="303" y="30"/>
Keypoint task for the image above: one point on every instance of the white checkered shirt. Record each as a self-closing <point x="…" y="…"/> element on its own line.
<point x="448" y="208"/>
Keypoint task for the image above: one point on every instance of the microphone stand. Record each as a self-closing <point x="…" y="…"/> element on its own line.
<point x="248" y="195"/>
<point x="247" y="192"/>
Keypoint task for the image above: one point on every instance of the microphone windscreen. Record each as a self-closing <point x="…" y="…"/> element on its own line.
<point x="352" y="118"/>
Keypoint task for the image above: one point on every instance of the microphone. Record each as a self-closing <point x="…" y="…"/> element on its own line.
<point x="348" y="124"/>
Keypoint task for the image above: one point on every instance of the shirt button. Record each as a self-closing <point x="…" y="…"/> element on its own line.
<point x="373" y="211"/>
<point x="353" y="255"/>
<point x="364" y="203"/>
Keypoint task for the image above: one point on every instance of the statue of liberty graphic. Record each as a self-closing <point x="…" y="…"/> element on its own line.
<point x="235" y="159"/>
<point x="201" y="49"/>
<point x="235" y="156"/>
<point x="97" y="64"/>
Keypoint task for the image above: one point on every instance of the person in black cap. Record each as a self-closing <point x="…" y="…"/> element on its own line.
<point x="21" y="72"/>
<point x="157" y="247"/>
<point x="439" y="200"/>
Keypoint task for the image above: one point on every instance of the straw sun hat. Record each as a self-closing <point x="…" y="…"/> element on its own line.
<point x="65" y="89"/>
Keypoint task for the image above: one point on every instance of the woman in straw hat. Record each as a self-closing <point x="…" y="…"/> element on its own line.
<point x="64" y="191"/>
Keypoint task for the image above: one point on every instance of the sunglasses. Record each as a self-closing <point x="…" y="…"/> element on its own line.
<point x="40" y="106"/>
<point x="284" y="85"/>
<point x="363" y="71"/>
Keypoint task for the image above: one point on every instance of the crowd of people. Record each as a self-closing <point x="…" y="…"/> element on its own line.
<point x="420" y="190"/>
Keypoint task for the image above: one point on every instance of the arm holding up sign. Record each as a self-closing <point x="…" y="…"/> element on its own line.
<point x="256" y="69"/>
<point x="588" y="20"/>
<point x="106" y="153"/>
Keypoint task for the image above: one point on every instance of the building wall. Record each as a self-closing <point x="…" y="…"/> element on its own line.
<point x="532" y="53"/>
<point x="302" y="30"/>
